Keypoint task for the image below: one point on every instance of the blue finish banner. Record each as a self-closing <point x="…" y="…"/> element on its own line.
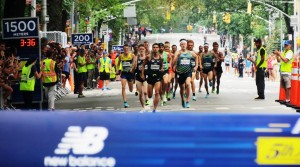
<point x="16" y="28"/>
<point x="79" y="39"/>
<point x="163" y="139"/>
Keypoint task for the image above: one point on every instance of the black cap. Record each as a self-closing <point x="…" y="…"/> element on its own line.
<point x="257" y="40"/>
<point x="161" y="44"/>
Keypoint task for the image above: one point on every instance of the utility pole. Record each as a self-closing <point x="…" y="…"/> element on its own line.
<point x="72" y="17"/>
<point x="44" y="15"/>
<point x="33" y="6"/>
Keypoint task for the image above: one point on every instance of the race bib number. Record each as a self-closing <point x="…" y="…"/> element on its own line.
<point x="165" y="65"/>
<point x="185" y="62"/>
<point x="154" y="67"/>
<point x="207" y="64"/>
<point x="124" y="64"/>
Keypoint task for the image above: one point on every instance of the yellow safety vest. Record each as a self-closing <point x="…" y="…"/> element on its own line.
<point x="104" y="65"/>
<point x="286" y="67"/>
<point x="258" y="58"/>
<point x="49" y="74"/>
<point x="91" y="66"/>
<point x="27" y="83"/>
<point x="81" y="69"/>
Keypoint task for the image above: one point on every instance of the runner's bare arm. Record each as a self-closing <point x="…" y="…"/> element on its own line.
<point x="143" y="66"/>
<point x="175" y="60"/>
<point x="196" y="60"/>
<point x="133" y="63"/>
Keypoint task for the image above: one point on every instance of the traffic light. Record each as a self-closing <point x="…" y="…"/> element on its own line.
<point x="226" y="18"/>
<point x="249" y="8"/>
<point x="168" y="15"/>
<point x="214" y="18"/>
<point x="189" y="27"/>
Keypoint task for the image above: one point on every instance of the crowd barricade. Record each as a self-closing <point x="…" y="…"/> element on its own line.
<point x="61" y="91"/>
<point x="297" y="105"/>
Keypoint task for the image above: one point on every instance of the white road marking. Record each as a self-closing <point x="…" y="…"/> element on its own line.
<point x="222" y="108"/>
<point x="257" y="108"/>
<point x="268" y="130"/>
<point x="279" y="125"/>
<point x="98" y="107"/>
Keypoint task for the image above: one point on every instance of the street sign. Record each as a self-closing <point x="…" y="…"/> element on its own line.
<point x="23" y="34"/>
<point x="176" y="139"/>
<point x="79" y="39"/>
<point x="294" y="21"/>
<point x="118" y="47"/>
<point x="16" y="28"/>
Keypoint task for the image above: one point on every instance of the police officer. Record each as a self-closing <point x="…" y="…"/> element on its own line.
<point x="286" y="58"/>
<point x="49" y="79"/>
<point x="29" y="75"/>
<point x="260" y="66"/>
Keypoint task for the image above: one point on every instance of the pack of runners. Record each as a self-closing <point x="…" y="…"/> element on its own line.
<point x="157" y="73"/>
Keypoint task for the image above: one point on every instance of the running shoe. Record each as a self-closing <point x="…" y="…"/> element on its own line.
<point x="213" y="90"/>
<point x="126" y="105"/>
<point x="218" y="91"/>
<point x="188" y="105"/>
<point x="142" y="110"/>
<point x="103" y="88"/>
<point x="81" y="96"/>
<point x="173" y="96"/>
<point x="210" y="83"/>
<point x="194" y="98"/>
<point x="153" y="111"/>
<point x="147" y="103"/>
<point x="136" y="93"/>
<point x="108" y="89"/>
<point x="169" y="96"/>
<point x="183" y="104"/>
<point x="199" y="91"/>
<point x="165" y="98"/>
<point x="206" y="96"/>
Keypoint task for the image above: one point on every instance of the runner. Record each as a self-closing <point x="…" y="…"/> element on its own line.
<point x="206" y="60"/>
<point x="154" y="74"/>
<point x="199" y="73"/>
<point x="190" y="47"/>
<point x="165" y="75"/>
<point x="140" y="83"/>
<point x="174" y="74"/>
<point x="171" y="72"/>
<point x="219" y="58"/>
<point x="184" y="70"/>
<point x="127" y="76"/>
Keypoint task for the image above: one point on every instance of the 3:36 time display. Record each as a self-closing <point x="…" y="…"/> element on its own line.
<point x="28" y="42"/>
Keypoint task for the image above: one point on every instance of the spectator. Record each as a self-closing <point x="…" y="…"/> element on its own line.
<point x="286" y="58"/>
<point x="81" y="72"/>
<point x="49" y="79"/>
<point x="27" y="83"/>
<point x="241" y="66"/>
<point x="270" y="68"/>
<point x="104" y="67"/>
<point x="91" y="69"/>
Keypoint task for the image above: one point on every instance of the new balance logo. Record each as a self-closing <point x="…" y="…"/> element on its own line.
<point x="296" y="129"/>
<point x="89" y="141"/>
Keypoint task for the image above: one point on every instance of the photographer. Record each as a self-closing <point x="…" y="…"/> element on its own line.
<point x="285" y="58"/>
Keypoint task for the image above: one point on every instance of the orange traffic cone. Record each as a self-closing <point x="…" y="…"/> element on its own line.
<point x="294" y="85"/>
<point x="282" y="97"/>
<point x="100" y="84"/>
<point x="71" y="82"/>
<point x="297" y="105"/>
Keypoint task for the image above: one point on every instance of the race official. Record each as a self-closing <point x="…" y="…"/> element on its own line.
<point x="286" y="58"/>
<point x="260" y="66"/>
<point x="27" y="84"/>
<point x="49" y="79"/>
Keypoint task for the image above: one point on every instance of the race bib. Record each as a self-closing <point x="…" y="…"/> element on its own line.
<point x="185" y="62"/>
<point x="164" y="65"/>
<point x="124" y="63"/>
<point x="207" y="64"/>
<point x="154" y="67"/>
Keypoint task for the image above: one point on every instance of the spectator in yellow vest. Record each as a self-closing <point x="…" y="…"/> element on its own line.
<point x="104" y="66"/>
<point x="49" y="79"/>
<point x="286" y="58"/>
<point x="27" y="84"/>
